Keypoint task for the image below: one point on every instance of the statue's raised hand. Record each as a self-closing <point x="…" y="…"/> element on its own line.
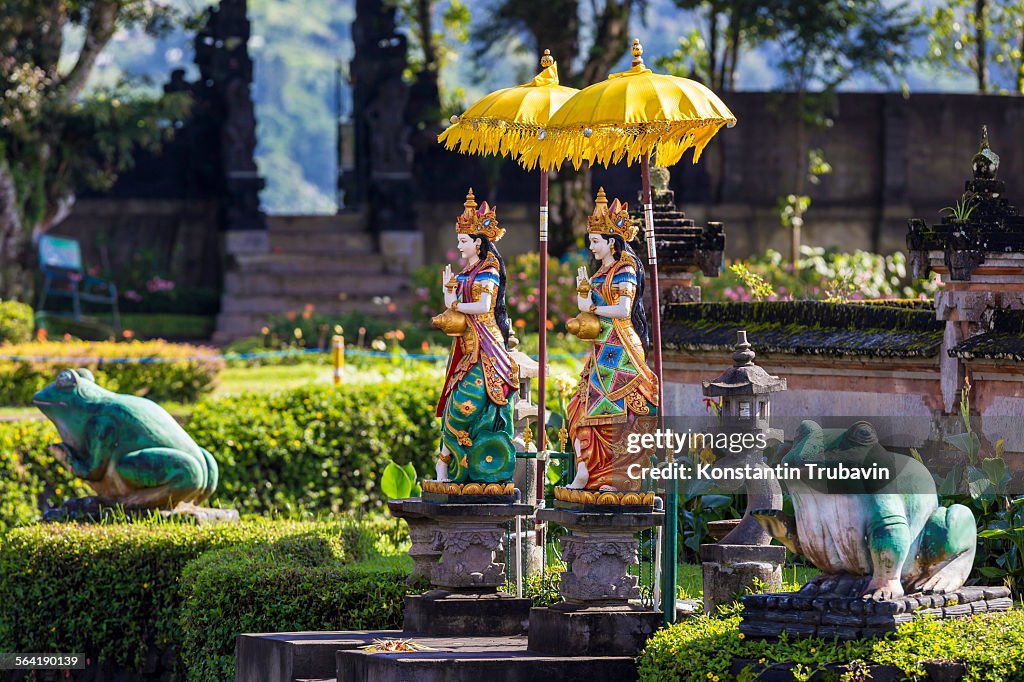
<point x="584" y="298"/>
<point x="448" y="291"/>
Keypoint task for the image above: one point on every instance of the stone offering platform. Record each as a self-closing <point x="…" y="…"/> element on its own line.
<point x="334" y="656"/>
<point x="768" y="615"/>
<point x="452" y="614"/>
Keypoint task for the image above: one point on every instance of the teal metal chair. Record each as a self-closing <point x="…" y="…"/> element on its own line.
<point x="60" y="260"/>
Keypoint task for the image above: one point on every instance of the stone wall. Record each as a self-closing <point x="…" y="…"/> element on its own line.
<point x="120" y="234"/>
<point x="893" y="158"/>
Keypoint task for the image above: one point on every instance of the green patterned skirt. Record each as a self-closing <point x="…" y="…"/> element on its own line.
<point x="478" y="433"/>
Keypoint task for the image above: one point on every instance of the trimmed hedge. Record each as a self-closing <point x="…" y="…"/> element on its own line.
<point x="16" y="322"/>
<point x="315" y="448"/>
<point x="126" y="596"/>
<point x="310" y="450"/>
<point x="30" y="477"/>
<point x="298" y="583"/>
<point x="183" y="373"/>
<point x="703" y="648"/>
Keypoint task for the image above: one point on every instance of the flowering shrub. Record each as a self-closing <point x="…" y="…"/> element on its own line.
<point x="822" y="274"/>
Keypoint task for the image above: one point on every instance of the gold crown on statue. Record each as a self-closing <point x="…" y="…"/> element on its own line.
<point x="612" y="219"/>
<point x="480" y="220"/>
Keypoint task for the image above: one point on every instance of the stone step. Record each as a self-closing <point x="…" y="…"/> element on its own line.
<point x="342" y="222"/>
<point x="319" y="265"/>
<point x="320" y="242"/>
<point x="319" y="285"/>
<point x="315" y="655"/>
<point x="277" y="305"/>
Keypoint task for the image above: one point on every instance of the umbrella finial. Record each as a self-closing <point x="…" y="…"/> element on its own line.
<point x="547" y="60"/>
<point x="638" y="52"/>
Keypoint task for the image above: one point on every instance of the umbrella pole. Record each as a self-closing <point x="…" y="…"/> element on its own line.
<point x="542" y="350"/>
<point x="671" y="535"/>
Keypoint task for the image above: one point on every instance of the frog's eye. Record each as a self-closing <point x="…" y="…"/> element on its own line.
<point x="66" y="379"/>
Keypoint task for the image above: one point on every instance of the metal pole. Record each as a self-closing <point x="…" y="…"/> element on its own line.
<point x="542" y="356"/>
<point x="671" y="536"/>
<point x="519" y="557"/>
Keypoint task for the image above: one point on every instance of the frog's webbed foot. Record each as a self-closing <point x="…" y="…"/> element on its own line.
<point x="884" y="589"/>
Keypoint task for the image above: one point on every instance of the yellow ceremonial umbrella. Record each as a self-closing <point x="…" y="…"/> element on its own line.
<point x="632" y="116"/>
<point x="504" y="123"/>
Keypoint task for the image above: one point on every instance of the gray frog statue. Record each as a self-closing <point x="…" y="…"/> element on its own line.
<point x="128" y="449"/>
<point x="877" y="539"/>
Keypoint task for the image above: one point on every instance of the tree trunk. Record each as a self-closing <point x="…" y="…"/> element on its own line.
<point x="797" y="222"/>
<point x="16" y="272"/>
<point x="980" y="27"/>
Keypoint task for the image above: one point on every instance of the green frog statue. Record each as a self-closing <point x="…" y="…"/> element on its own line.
<point x="128" y="449"/>
<point x="878" y="537"/>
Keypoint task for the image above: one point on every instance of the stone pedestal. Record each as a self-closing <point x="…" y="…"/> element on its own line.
<point x="577" y="630"/>
<point x="440" y="613"/>
<point x="600" y="550"/>
<point x="729" y="570"/>
<point x="465" y="559"/>
<point x="597" y="618"/>
<point x="470" y="540"/>
<point x="421" y="532"/>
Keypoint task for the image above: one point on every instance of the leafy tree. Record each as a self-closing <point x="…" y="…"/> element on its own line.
<point x="55" y="137"/>
<point x="712" y="53"/>
<point x="559" y="25"/>
<point x="822" y="45"/>
<point x="978" y="37"/>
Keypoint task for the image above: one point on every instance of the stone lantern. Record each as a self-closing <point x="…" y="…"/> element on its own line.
<point x="744" y="556"/>
<point x="745" y="390"/>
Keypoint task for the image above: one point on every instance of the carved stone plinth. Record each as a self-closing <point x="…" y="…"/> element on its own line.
<point x="600" y="550"/>
<point x="800" y="615"/>
<point x="577" y="630"/>
<point x="440" y="613"/>
<point x="468" y="538"/>
<point x="421" y="532"/>
<point x="729" y="570"/>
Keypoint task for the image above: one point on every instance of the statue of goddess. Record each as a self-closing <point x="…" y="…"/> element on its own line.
<point x="482" y="378"/>
<point x="616" y="386"/>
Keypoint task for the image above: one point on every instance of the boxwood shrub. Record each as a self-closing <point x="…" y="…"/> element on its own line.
<point x="168" y="371"/>
<point x="16" y="322"/>
<point x="124" y="594"/>
<point x="31" y="479"/>
<point x="310" y="451"/>
<point x="296" y="584"/>
<point x="703" y="648"/>
<point x="314" y="448"/>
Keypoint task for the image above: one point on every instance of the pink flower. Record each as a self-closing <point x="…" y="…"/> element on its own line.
<point x="452" y="254"/>
<point x="422" y="293"/>
<point x="132" y="295"/>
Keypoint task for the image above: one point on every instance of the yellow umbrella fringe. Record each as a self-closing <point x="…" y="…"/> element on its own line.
<point x="489" y="137"/>
<point x="612" y="144"/>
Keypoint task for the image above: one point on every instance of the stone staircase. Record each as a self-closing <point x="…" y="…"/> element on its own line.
<point x="328" y="261"/>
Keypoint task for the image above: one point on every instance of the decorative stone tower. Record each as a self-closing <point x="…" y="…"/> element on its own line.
<point x="745" y="554"/>
<point x="683" y="247"/>
<point x="978" y="249"/>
